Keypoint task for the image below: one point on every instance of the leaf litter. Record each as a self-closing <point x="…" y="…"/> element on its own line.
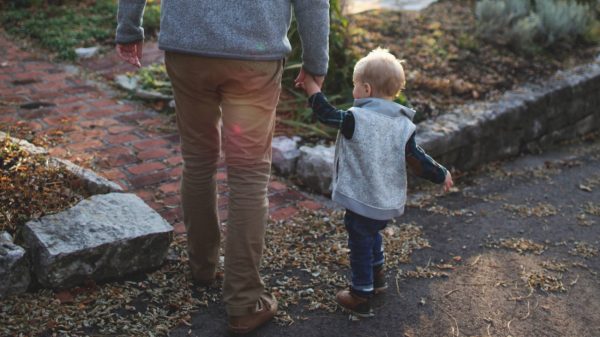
<point x="540" y="210"/>
<point x="520" y="245"/>
<point x="31" y="188"/>
<point x="305" y="262"/>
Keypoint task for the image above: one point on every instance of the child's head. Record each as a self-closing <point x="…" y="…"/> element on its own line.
<point x="379" y="74"/>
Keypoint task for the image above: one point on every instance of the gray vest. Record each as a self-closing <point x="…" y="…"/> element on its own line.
<point x="370" y="169"/>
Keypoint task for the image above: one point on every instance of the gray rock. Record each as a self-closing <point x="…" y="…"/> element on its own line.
<point x="85" y="53"/>
<point x="27" y="146"/>
<point x="126" y="82"/>
<point x="285" y="154"/>
<point x="94" y="183"/>
<point x="151" y="95"/>
<point x="5" y="237"/>
<point x="105" y="236"/>
<point x="14" y="267"/>
<point x="315" y="167"/>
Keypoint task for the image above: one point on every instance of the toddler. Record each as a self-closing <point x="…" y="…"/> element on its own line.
<point x="375" y="144"/>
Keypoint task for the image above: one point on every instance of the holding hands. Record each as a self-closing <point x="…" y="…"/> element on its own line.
<point x="310" y="83"/>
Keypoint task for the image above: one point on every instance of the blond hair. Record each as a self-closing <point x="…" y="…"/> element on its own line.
<point x="383" y="71"/>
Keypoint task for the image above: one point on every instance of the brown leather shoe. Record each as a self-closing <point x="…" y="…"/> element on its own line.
<point x="265" y="310"/>
<point x="208" y="282"/>
<point x="379" y="283"/>
<point x="359" y="306"/>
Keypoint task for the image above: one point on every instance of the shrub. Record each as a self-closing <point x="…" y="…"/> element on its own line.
<point x="338" y="83"/>
<point x="527" y="25"/>
<point x="561" y="20"/>
<point x="151" y="21"/>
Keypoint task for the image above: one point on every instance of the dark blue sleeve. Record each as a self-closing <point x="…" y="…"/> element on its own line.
<point x="422" y="164"/>
<point x="329" y="115"/>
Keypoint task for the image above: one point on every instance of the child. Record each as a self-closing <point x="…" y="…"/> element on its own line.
<point x="375" y="143"/>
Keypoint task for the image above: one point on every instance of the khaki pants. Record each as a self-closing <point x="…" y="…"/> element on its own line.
<point x="243" y="96"/>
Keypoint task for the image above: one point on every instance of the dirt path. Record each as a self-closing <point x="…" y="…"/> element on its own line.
<point x="510" y="231"/>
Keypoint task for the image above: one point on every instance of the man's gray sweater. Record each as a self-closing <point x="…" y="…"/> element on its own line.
<point x="236" y="29"/>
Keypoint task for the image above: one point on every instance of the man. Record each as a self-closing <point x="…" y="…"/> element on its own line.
<point x="225" y="60"/>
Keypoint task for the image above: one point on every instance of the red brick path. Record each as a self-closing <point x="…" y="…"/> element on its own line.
<point x="123" y="141"/>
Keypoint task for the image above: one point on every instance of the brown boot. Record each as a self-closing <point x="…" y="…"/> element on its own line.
<point x="265" y="310"/>
<point x="379" y="283"/>
<point x="358" y="305"/>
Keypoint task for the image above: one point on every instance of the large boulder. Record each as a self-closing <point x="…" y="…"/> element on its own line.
<point x="103" y="237"/>
<point x="315" y="167"/>
<point x="14" y="267"/>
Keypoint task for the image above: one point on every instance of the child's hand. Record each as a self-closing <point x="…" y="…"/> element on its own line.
<point x="311" y="86"/>
<point x="448" y="183"/>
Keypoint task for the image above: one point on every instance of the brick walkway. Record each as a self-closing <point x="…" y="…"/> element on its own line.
<point x="121" y="140"/>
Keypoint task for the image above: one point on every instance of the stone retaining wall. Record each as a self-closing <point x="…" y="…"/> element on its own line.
<point x="527" y="119"/>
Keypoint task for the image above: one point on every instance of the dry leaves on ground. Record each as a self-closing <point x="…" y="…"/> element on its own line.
<point x="547" y="283"/>
<point x="540" y="210"/>
<point x="584" y="249"/>
<point x="30" y="188"/>
<point x="519" y="245"/>
<point x="307" y="258"/>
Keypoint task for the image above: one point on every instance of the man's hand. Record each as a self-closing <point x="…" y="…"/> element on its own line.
<point x="299" y="81"/>
<point x="448" y="183"/>
<point x="311" y="86"/>
<point x="131" y="52"/>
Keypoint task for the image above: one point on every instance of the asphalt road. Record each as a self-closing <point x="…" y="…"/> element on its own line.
<point x="518" y="242"/>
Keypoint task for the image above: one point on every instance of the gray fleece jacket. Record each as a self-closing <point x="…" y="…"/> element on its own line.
<point x="237" y="29"/>
<point x="370" y="168"/>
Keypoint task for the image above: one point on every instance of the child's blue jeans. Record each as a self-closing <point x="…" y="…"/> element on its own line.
<point x="366" y="250"/>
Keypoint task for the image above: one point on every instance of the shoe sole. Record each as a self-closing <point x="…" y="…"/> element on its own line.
<point x="380" y="290"/>
<point x="247" y="329"/>
<point x="355" y="313"/>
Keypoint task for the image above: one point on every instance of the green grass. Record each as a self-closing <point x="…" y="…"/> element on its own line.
<point x="61" y="29"/>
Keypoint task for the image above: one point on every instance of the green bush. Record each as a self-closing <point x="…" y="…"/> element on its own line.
<point x="529" y="25"/>
<point x="338" y="82"/>
<point x="151" y="21"/>
<point x="561" y="21"/>
<point x="61" y="29"/>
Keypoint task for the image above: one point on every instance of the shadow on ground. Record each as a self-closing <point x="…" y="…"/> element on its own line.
<point x="513" y="252"/>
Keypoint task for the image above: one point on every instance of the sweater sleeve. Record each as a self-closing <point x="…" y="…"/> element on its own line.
<point x="129" y="21"/>
<point x="312" y="18"/>
<point x="329" y="115"/>
<point x="422" y="164"/>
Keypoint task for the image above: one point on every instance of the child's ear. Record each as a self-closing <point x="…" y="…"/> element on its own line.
<point x="368" y="89"/>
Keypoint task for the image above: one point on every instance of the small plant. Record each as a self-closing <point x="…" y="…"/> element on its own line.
<point x="561" y="20"/>
<point x="530" y="25"/>
<point x="154" y="77"/>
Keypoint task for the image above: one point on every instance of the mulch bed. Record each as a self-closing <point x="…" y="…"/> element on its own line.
<point x="446" y="64"/>
<point x="30" y="188"/>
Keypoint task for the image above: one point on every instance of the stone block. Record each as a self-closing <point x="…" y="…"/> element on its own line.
<point x="105" y="236"/>
<point x="15" y="275"/>
<point x="285" y="154"/>
<point x="94" y="183"/>
<point x="315" y="167"/>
